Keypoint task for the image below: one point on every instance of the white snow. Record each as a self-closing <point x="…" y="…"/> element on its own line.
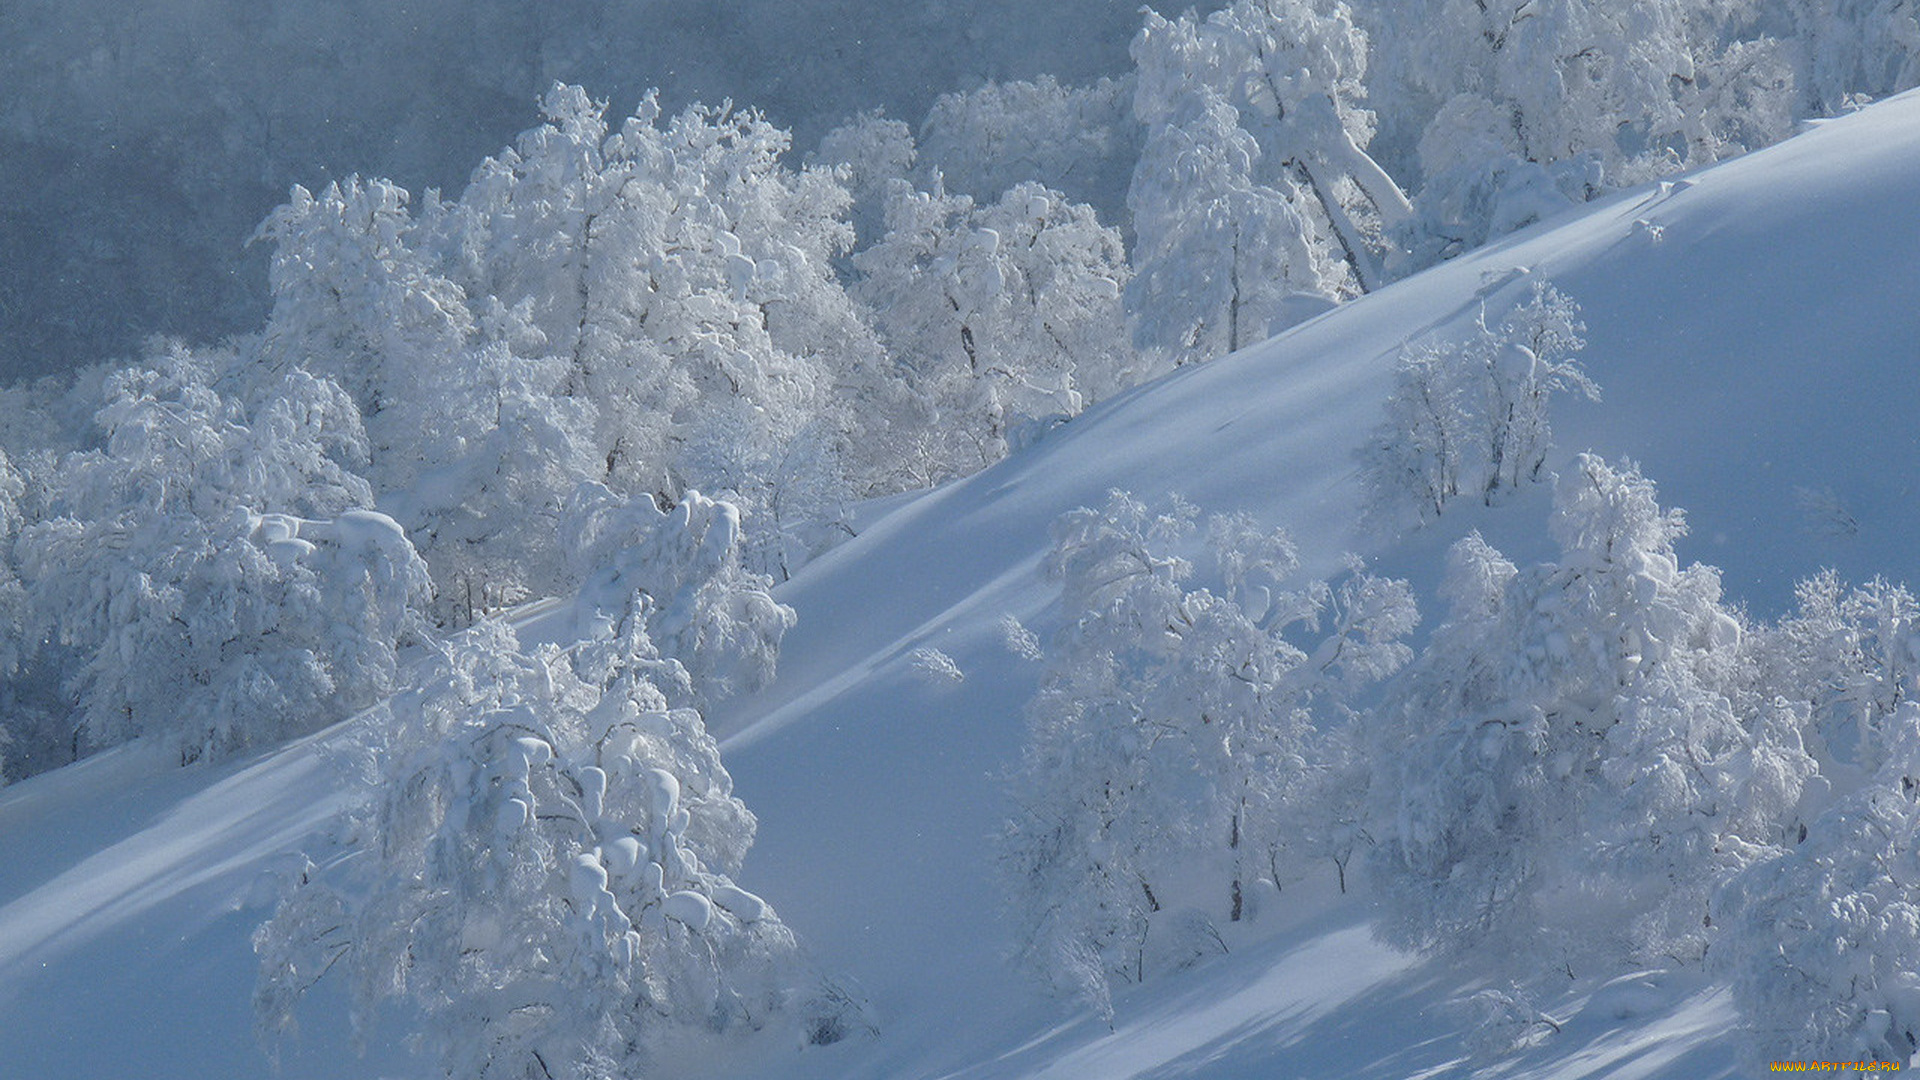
<point x="1762" y="348"/>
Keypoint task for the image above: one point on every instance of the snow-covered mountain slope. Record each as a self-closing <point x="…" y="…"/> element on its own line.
<point x="1752" y="327"/>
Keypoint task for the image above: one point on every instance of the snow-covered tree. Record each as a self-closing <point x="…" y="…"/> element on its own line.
<point x="1255" y="202"/>
<point x="1478" y="184"/>
<point x="355" y="301"/>
<point x="216" y="570"/>
<point x="998" y="315"/>
<point x="1822" y="942"/>
<point x="1470" y="416"/>
<point x="1578" y="762"/>
<point x="653" y="307"/>
<point x="1080" y="140"/>
<point x="868" y="152"/>
<point x="703" y="607"/>
<point x="472" y="445"/>
<point x="1850" y="654"/>
<point x="1220" y="259"/>
<point x="1848" y="51"/>
<point x="1541" y="104"/>
<point x="687" y="277"/>
<point x="13" y="612"/>
<point x="546" y="873"/>
<point x="1173" y="735"/>
<point x="1294" y="72"/>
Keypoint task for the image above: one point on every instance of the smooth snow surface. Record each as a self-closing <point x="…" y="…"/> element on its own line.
<point x="1753" y="329"/>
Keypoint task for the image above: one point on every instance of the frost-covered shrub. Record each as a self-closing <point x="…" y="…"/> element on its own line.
<point x="215" y="569"/>
<point x="1578" y="761"/>
<point x="1179" y="743"/>
<point x="1470" y="417"/>
<point x="545" y="873"/>
<point x="935" y="668"/>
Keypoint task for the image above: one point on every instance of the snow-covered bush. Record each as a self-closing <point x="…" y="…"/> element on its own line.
<point x="1471" y="416"/>
<point x="996" y="315"/>
<point x="545" y="873"/>
<point x="1578" y="763"/>
<point x="1175" y="742"/>
<point x="216" y="570"/>
<point x="935" y="668"/>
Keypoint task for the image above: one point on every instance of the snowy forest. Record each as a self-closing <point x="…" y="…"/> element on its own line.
<point x="833" y="539"/>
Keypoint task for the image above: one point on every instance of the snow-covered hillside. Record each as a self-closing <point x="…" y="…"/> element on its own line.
<point x="1751" y="327"/>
